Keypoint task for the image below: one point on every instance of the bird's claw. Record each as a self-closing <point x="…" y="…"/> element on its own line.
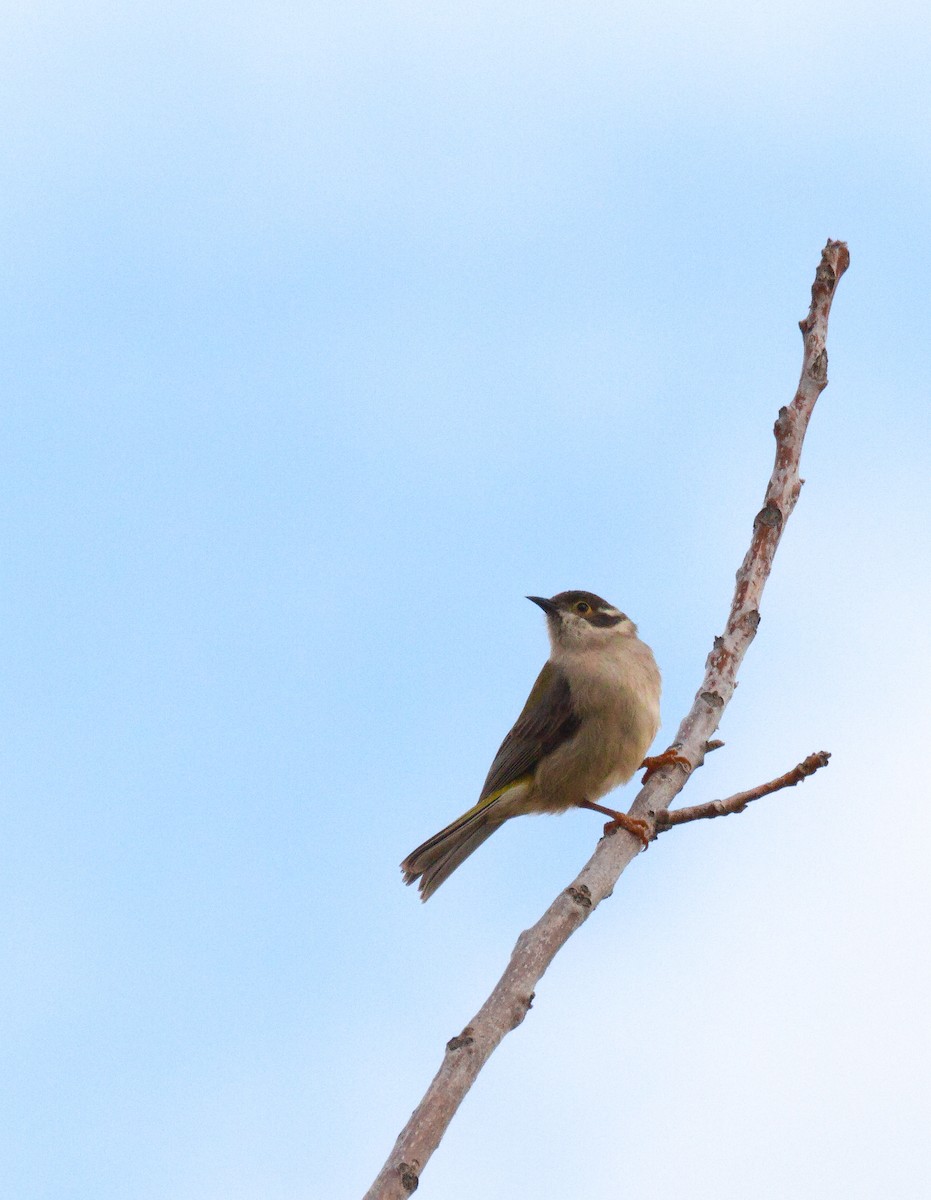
<point x="668" y="758"/>
<point x="619" y="820"/>
<point x="633" y="825"/>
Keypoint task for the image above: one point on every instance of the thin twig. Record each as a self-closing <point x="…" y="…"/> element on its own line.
<point x="736" y="804"/>
<point x="536" y="947"/>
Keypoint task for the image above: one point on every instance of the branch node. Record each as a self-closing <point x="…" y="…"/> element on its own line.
<point x="581" y="895"/>
<point x="522" y="1006"/>
<point x="461" y="1040"/>
<point x="714" y="744"/>
<point x="814" y="762"/>
<point x="770" y="516"/>
<point x="818" y="370"/>
<point x="713" y="700"/>
<point x="410" y="1179"/>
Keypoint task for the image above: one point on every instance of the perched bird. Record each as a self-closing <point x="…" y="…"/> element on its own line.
<point x="589" y="720"/>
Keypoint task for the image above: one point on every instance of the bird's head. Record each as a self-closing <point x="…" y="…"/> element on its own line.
<point x="583" y="621"/>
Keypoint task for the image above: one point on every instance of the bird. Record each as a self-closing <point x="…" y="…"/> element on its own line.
<point x="589" y="720"/>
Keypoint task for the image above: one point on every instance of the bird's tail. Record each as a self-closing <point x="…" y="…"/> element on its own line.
<point x="438" y="857"/>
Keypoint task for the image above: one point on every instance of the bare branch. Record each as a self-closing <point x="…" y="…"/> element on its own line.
<point x="536" y="947"/>
<point x="736" y="804"/>
<point x="782" y="492"/>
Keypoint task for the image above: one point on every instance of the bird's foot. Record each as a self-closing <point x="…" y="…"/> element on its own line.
<point x="666" y="759"/>
<point x="619" y="820"/>
<point x="634" y="825"/>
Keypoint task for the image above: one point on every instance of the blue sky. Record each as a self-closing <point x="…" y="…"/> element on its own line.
<point x="329" y="335"/>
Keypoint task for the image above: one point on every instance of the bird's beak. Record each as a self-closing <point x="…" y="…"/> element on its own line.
<point x="551" y="609"/>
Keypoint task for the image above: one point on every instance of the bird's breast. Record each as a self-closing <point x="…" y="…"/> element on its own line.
<point x="617" y="700"/>
<point x="627" y="679"/>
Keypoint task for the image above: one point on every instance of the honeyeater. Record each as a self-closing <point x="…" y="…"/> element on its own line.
<point x="587" y="724"/>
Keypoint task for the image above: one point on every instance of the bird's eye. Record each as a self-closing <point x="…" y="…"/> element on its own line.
<point x="582" y="608"/>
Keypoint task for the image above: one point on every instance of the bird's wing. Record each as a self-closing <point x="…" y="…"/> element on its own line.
<point x="548" y="719"/>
